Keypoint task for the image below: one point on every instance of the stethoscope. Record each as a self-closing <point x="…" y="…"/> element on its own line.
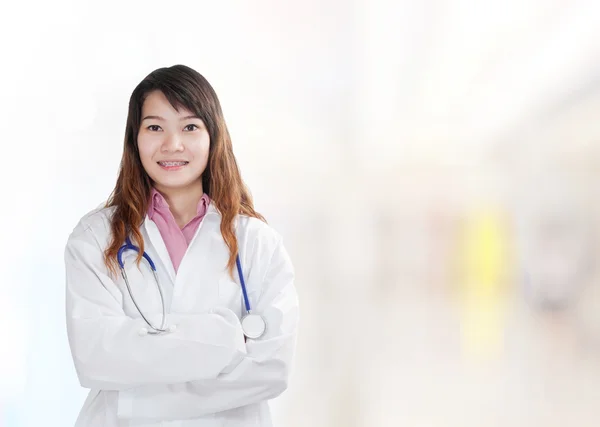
<point x="253" y="325"/>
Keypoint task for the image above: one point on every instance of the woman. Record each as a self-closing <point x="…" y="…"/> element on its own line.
<point x="180" y="199"/>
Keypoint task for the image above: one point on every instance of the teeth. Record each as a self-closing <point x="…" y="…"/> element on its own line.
<point x="169" y="164"/>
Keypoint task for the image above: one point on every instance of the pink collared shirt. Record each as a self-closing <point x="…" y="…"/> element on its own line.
<point x="176" y="240"/>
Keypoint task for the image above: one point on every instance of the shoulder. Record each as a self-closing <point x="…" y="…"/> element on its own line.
<point x="95" y="224"/>
<point x="261" y="244"/>
<point x="257" y="230"/>
<point x="250" y="229"/>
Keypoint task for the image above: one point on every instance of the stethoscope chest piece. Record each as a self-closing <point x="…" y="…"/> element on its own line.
<point x="253" y="325"/>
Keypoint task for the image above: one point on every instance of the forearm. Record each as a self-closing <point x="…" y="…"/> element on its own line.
<point x="251" y="381"/>
<point x="110" y="354"/>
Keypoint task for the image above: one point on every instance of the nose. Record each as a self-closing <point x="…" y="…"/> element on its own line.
<point x="172" y="143"/>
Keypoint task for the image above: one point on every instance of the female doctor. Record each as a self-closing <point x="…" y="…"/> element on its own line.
<point x="180" y="300"/>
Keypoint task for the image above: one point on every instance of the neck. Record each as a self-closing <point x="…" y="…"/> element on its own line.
<point x="183" y="202"/>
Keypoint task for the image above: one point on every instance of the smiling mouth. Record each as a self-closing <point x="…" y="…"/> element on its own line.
<point x="172" y="164"/>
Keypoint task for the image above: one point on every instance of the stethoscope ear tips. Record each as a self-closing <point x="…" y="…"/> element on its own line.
<point x="172" y="328"/>
<point x="142" y="332"/>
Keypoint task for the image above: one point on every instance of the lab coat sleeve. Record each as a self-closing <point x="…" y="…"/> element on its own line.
<point x="262" y="374"/>
<point x="107" y="349"/>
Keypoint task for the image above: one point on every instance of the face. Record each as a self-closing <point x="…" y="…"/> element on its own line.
<point x="173" y="145"/>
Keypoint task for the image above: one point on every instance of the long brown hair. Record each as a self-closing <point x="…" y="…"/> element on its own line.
<point x="221" y="180"/>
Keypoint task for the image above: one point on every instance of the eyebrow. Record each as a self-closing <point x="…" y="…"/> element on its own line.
<point x="160" y="118"/>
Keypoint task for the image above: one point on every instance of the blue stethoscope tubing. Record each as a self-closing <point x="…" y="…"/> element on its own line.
<point x="253" y="325"/>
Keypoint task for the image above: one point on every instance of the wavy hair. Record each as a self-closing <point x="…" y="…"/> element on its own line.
<point x="221" y="180"/>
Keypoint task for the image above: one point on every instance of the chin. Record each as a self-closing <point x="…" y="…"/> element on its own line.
<point x="174" y="183"/>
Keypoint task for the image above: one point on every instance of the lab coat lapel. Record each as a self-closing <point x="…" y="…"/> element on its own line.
<point x="193" y="246"/>
<point x="195" y="288"/>
<point x="159" y="246"/>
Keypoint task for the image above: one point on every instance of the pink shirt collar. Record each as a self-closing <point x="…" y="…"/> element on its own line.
<point x="176" y="239"/>
<point x="159" y="204"/>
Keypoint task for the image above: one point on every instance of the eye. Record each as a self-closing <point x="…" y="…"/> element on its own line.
<point x="151" y="127"/>
<point x="191" y="125"/>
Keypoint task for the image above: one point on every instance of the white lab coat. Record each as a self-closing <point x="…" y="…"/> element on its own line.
<point x="202" y="373"/>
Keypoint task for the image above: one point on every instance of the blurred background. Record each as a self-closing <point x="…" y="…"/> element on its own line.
<point x="432" y="166"/>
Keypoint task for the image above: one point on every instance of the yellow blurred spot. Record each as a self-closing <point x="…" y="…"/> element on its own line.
<point x="484" y="266"/>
